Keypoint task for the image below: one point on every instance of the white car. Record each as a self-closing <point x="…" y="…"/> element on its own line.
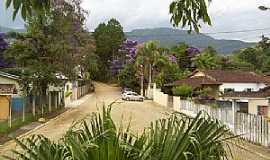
<point x="132" y="96"/>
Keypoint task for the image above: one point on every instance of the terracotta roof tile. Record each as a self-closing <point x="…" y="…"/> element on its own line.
<point x="195" y="82"/>
<point x="263" y="93"/>
<point x="228" y="76"/>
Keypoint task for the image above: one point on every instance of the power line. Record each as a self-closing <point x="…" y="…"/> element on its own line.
<point x="238" y="31"/>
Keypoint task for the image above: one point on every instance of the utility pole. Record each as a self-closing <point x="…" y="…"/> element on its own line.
<point x="142" y="79"/>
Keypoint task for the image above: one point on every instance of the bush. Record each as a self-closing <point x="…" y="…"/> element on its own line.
<point x="183" y="91"/>
<point x="97" y="138"/>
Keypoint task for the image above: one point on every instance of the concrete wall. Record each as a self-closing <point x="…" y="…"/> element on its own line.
<point x="176" y="103"/>
<point x="159" y="97"/>
<point x="254" y="103"/>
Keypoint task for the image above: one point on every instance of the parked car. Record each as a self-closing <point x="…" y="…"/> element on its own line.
<point x="132" y="96"/>
<point x="124" y="90"/>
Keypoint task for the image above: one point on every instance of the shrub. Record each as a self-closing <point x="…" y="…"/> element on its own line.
<point x="97" y="138"/>
<point x="183" y="91"/>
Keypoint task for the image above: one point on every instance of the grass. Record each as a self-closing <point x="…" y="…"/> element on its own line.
<point x="16" y="123"/>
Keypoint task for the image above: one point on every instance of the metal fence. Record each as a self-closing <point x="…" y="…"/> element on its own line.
<point x="23" y="110"/>
<point x="253" y="128"/>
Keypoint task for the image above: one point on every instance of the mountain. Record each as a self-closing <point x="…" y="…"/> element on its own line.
<point x="169" y="37"/>
<point x="6" y="29"/>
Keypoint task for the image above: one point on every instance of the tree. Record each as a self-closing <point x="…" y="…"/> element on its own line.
<point x="147" y="57"/>
<point x="206" y="60"/>
<point x="97" y="138"/>
<point x="128" y="79"/>
<point x="167" y="71"/>
<point x="51" y="46"/>
<point x="184" y="91"/>
<point x="109" y="38"/>
<point x="29" y="8"/>
<point x="189" y="13"/>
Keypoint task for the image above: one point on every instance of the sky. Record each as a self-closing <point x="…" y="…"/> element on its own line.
<point x="227" y="15"/>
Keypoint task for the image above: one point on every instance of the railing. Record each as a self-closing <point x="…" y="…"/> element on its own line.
<point x="253" y="128"/>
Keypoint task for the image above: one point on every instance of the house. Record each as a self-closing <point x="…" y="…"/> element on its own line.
<point x="256" y="103"/>
<point x="249" y="91"/>
<point x="9" y="86"/>
<point x="222" y="81"/>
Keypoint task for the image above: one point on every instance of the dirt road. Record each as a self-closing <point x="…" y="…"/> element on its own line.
<point x="139" y="114"/>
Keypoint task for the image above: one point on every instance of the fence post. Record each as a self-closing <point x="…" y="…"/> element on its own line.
<point x="10" y="111"/>
<point x="233" y="115"/>
<point x="50" y="102"/>
<point x="23" y="116"/>
<point x="56" y="101"/>
<point x="34" y="106"/>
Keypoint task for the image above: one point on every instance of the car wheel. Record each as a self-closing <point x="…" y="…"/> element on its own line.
<point x="141" y="99"/>
<point x="128" y="99"/>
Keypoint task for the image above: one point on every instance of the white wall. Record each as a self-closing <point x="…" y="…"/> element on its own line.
<point x="176" y="103"/>
<point x="253" y="105"/>
<point x="239" y="87"/>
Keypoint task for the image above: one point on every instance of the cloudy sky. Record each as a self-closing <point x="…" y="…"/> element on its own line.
<point x="227" y="15"/>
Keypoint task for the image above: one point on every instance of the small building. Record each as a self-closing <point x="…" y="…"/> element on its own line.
<point x="249" y="90"/>
<point x="222" y="81"/>
<point x="252" y="102"/>
<point x="9" y="86"/>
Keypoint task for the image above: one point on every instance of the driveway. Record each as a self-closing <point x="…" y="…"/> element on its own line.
<point x="137" y="113"/>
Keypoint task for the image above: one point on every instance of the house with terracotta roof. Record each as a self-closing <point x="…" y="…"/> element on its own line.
<point x="224" y="81"/>
<point x="250" y="90"/>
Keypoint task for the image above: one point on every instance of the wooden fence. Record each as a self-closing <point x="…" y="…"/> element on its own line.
<point x="250" y="127"/>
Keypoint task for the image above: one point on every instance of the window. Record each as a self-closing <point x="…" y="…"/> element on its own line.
<point x="262" y="110"/>
<point x="248" y="89"/>
<point x="226" y="90"/>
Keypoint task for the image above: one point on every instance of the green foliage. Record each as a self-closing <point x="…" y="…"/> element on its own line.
<point x="128" y="79"/>
<point x="28" y="8"/>
<point x="183" y="58"/>
<point x="206" y="60"/>
<point x="168" y="72"/>
<point x="108" y="39"/>
<point x="206" y="91"/>
<point x="97" y="138"/>
<point x="16" y="123"/>
<point x="52" y="45"/>
<point x="189" y="13"/>
<point x="184" y="91"/>
<point x="67" y="94"/>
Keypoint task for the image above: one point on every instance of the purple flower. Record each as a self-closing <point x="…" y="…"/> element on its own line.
<point x="192" y="51"/>
<point x="172" y="58"/>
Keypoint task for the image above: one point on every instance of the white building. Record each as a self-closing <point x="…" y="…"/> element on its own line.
<point x="235" y="81"/>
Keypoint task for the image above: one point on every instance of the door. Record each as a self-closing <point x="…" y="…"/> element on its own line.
<point x="4" y="107"/>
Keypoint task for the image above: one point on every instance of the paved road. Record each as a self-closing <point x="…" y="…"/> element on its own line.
<point x="140" y="114"/>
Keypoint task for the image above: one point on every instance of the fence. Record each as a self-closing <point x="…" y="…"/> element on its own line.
<point x="224" y="114"/>
<point x="253" y="128"/>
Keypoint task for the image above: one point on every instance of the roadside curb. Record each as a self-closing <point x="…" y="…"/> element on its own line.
<point x="69" y="109"/>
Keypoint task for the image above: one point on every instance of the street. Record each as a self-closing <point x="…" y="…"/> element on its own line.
<point x="139" y="114"/>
